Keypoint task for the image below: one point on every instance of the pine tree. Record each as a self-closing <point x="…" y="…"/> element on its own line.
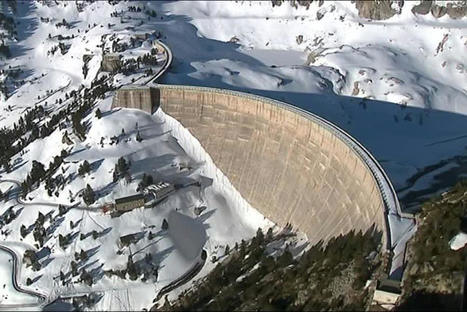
<point x="74" y="268"/>
<point x="132" y="269"/>
<point x="86" y="277"/>
<point x="37" y="171"/>
<point x="242" y="249"/>
<point x="40" y="219"/>
<point x="23" y="231"/>
<point x="89" y="196"/>
<point x="122" y="166"/>
<point x="115" y="175"/>
<point x="61" y="240"/>
<point x="24" y="189"/>
<point x="285" y="259"/>
<point x="61" y="210"/>
<point x="165" y="225"/>
<point x="259" y="236"/>
<point x="98" y="114"/>
<point x="83" y="255"/>
<point x="138" y="137"/>
<point x="84" y="168"/>
<point x="269" y="235"/>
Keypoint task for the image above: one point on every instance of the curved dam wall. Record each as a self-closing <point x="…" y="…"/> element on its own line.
<point x="292" y="166"/>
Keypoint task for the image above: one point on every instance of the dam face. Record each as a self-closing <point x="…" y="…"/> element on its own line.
<point x="289" y="166"/>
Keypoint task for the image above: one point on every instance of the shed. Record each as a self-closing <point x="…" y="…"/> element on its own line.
<point x="111" y="62"/>
<point x="161" y="190"/>
<point x="129" y="202"/>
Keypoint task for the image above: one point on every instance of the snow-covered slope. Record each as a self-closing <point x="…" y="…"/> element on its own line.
<point x="167" y="152"/>
<point x="227" y="219"/>
<point x="403" y="76"/>
<point x="398" y="86"/>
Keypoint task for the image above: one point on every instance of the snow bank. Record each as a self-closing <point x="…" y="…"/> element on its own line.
<point x="458" y="241"/>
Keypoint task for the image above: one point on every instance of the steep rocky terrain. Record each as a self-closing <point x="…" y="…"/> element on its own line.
<point x="435" y="273"/>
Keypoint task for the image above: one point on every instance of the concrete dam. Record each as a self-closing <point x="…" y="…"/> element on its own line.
<point x="292" y="166"/>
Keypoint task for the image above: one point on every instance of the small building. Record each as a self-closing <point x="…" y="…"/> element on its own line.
<point x="157" y="192"/>
<point x="128" y="203"/>
<point x="108" y="207"/>
<point x="111" y="62"/>
<point x="129" y="239"/>
<point x="387" y="294"/>
<point x="161" y="190"/>
<point x="141" y="36"/>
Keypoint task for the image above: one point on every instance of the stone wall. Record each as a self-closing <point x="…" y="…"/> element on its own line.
<point x="286" y="165"/>
<point x="142" y="98"/>
<point x="110" y="63"/>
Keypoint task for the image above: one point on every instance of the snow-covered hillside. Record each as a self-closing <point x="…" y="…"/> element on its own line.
<point x="204" y="213"/>
<point x="397" y="85"/>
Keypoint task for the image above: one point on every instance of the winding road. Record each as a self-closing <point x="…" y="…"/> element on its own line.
<point x="185" y="278"/>
<point x="17" y="259"/>
<point x="16" y="267"/>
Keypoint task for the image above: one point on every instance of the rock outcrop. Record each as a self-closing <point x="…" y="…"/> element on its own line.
<point x="384" y="9"/>
<point x="455" y="10"/>
<point x="376" y="10"/>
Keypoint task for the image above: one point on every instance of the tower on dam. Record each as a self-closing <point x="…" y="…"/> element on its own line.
<point x="290" y="165"/>
<point x="139" y="97"/>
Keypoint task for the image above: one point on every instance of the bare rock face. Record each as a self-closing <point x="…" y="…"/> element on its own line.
<point x="375" y="10"/>
<point x="457" y="12"/>
<point x="294" y="3"/>
<point x="453" y="10"/>
<point x="423" y="8"/>
<point x="384" y="9"/>
<point x="276" y="2"/>
<point x="438" y="11"/>
<point x="299" y="39"/>
<point x="305" y="3"/>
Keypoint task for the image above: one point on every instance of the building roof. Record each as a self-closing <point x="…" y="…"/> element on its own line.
<point x="130" y="198"/>
<point x="388" y="285"/>
<point x="160" y="186"/>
